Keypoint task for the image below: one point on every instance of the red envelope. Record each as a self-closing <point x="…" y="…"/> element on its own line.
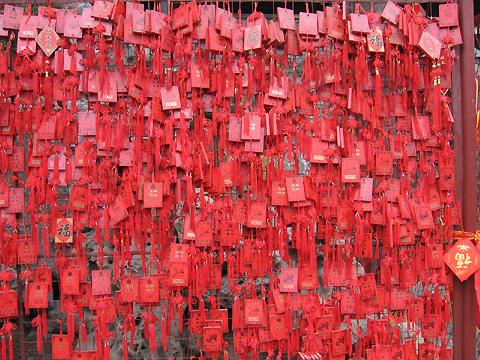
<point x="178" y="253"/>
<point x="339" y="342"/>
<point x="203" y="234"/>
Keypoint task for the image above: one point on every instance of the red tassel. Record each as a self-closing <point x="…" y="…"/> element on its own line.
<point x="83" y="331"/>
<point x="10" y="346"/>
<point x="26" y="302"/>
<point x="164" y="333"/>
<point x="44" y="322"/>
<point x="106" y="351"/>
<point x="180" y="318"/>
<point x="125" y="346"/>
<point x="436" y="94"/>
<point x="152" y="338"/>
<point x="37" y="323"/>
<point x="378" y="89"/>
<point x="46" y="241"/>
<point x="4" y="348"/>
<point x="71" y="326"/>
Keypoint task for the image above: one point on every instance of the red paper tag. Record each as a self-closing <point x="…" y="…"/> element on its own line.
<point x="257" y="215"/>
<point x="384" y="163"/>
<point x="423" y="217"/>
<point x="61" y="347"/>
<point x="295" y="188"/>
<point x="4" y="195"/>
<point x="360" y="23"/>
<point x="431" y="45"/>
<point x="178" y="274"/>
<point x="101" y="282"/>
<point x="350" y="170"/>
<point x="212" y="338"/>
<point x="12" y="16"/>
<point x="289" y="280"/>
<point x="252" y="38"/>
<point x="448" y="14"/>
<point x="9" y="302"/>
<point x="279" y="193"/>
<point x="392" y="12"/>
<point x="72" y="27"/>
<point x="170" y="98"/>
<point x="277" y="325"/>
<point x="254" y="312"/>
<point x="16" y="202"/>
<point x="38" y="296"/>
<point x="251" y="129"/>
<point x="286" y="18"/>
<point x="129" y="289"/>
<point x="48" y="39"/>
<point x="375" y="41"/>
<point x="148" y="290"/>
<point x="70" y="282"/>
<point x="117" y="211"/>
<point x="152" y="195"/>
<point x="307" y="24"/>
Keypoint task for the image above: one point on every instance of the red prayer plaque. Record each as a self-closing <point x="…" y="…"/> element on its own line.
<point x="289" y="280"/>
<point x="64" y="231"/>
<point x="48" y="39"/>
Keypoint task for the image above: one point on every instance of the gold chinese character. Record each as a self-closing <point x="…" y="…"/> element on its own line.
<point x="463" y="260"/>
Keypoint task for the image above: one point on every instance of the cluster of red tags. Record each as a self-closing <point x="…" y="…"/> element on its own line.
<point x="302" y="168"/>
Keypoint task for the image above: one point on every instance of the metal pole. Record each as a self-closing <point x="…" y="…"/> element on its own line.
<point x="465" y="304"/>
